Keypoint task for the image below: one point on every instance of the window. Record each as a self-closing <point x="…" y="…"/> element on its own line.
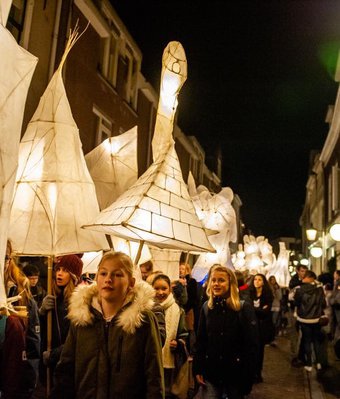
<point x="16" y="18"/>
<point x="109" y="58"/>
<point x="335" y="187"/>
<point x="103" y="126"/>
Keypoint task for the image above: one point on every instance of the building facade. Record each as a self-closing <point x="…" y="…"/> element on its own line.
<point x="106" y="90"/>
<point x="322" y="203"/>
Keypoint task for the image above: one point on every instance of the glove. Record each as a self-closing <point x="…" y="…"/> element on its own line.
<point x="47" y="304"/>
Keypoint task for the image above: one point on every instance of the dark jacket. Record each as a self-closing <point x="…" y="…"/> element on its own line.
<point x="310" y="302"/>
<point x="294" y="281"/>
<point x="60" y="327"/>
<point x="227" y="345"/>
<point x="262" y="306"/>
<point x="17" y="378"/>
<point x="32" y="346"/>
<point x="117" y="359"/>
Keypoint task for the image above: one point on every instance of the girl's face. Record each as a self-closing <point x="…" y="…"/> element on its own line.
<point x="219" y="282"/>
<point x="162" y="289"/>
<point x="272" y="280"/>
<point x="62" y="276"/>
<point x="258" y="282"/>
<point x="113" y="281"/>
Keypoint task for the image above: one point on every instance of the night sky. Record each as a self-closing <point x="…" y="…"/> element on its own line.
<point x="260" y="79"/>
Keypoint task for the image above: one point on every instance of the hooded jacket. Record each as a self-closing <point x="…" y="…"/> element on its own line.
<point x="117" y="359"/>
<point x="310" y="302"/>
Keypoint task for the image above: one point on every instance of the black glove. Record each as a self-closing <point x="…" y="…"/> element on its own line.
<point x="47" y="304"/>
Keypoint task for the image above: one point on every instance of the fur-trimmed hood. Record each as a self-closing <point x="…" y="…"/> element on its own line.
<point x="85" y="298"/>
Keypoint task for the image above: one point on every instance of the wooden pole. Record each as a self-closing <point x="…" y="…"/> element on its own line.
<point x="139" y="252"/>
<point x="187" y="257"/>
<point x="49" y="320"/>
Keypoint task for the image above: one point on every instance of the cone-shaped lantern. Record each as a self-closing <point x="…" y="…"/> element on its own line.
<point x="113" y="166"/>
<point x="157" y="209"/>
<point x="54" y="193"/>
<point x="16" y="70"/>
<point x="216" y="213"/>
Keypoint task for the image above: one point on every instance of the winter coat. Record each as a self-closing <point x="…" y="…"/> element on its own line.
<point x="310" y="302"/>
<point x="17" y="377"/>
<point x="111" y="360"/>
<point x="263" y="305"/>
<point x="227" y="344"/>
<point x="32" y="345"/>
<point x="60" y="327"/>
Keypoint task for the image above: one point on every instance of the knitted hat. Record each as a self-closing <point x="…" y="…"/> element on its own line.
<point x="72" y="263"/>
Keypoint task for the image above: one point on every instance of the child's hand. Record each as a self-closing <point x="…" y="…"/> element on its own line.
<point x="173" y="344"/>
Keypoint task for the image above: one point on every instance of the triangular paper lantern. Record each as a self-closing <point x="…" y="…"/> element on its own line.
<point x="5" y="6"/>
<point x="54" y="193"/>
<point x="113" y="166"/>
<point x="157" y="209"/>
<point x="16" y="70"/>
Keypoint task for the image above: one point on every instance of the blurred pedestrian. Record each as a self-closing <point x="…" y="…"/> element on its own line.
<point x="262" y="297"/>
<point x="276" y="305"/>
<point x="310" y="303"/>
<point x="32" y="272"/>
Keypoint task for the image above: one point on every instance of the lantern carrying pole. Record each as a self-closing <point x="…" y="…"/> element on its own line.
<point x="139" y="252"/>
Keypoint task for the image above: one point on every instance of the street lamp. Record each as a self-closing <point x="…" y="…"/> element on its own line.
<point x="316" y="252"/>
<point x="311" y="234"/>
<point x="334" y="232"/>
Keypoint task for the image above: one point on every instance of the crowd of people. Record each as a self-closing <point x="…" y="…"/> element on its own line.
<point x="118" y="337"/>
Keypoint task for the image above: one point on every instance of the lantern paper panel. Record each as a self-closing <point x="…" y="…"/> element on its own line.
<point x="54" y="193"/>
<point x="166" y="260"/>
<point x="160" y="214"/>
<point x="16" y="70"/>
<point x="113" y="166"/>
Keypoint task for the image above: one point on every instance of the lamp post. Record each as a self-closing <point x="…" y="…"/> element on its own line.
<point x="318" y="247"/>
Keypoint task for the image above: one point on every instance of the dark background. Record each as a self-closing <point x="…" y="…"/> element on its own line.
<point x="260" y="79"/>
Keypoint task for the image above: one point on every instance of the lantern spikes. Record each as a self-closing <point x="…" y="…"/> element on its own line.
<point x="16" y="70"/>
<point x="157" y="209"/>
<point x="54" y="193"/>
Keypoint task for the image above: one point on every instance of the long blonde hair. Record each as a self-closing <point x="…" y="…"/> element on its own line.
<point x="233" y="299"/>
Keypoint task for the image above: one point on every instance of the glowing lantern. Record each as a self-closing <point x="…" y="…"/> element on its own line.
<point x="54" y="193"/>
<point x="16" y="70"/>
<point x="113" y="166"/>
<point x="157" y="209"/>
